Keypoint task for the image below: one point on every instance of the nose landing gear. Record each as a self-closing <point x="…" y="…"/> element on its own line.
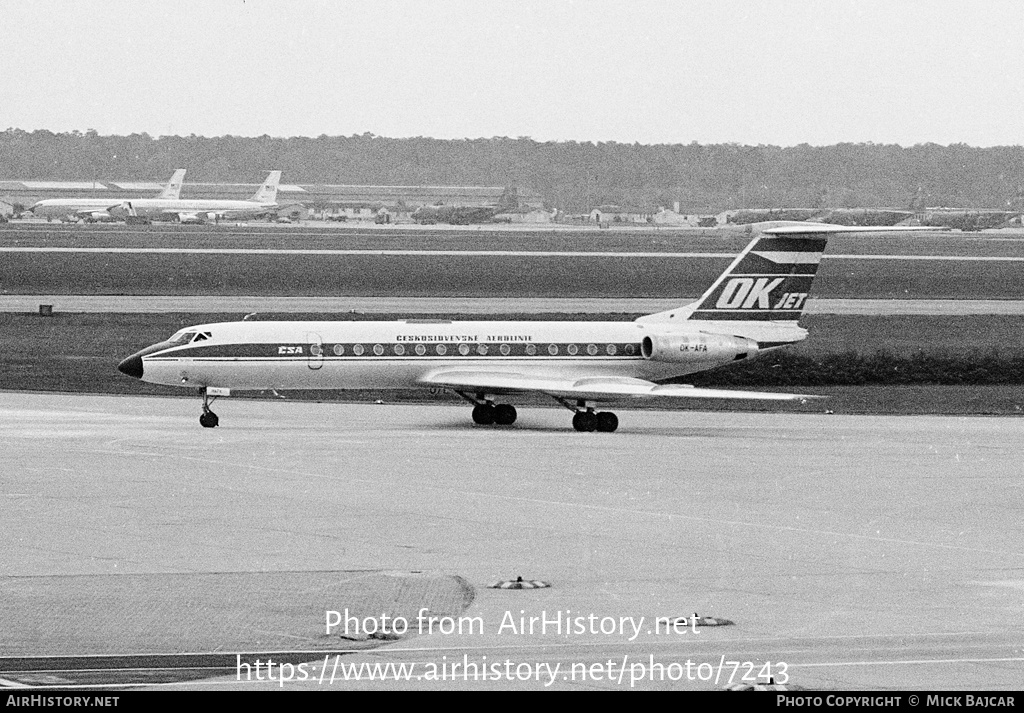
<point x="209" y="419"/>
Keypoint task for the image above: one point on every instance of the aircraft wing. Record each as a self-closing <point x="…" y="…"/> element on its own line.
<point x="87" y="212"/>
<point x="193" y="214"/>
<point x="218" y="212"/>
<point x="592" y="388"/>
<point x="196" y="216"/>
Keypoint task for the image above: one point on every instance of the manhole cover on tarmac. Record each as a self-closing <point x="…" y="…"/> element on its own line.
<point x="519" y="583"/>
<point x="697" y="620"/>
<point x="762" y="687"/>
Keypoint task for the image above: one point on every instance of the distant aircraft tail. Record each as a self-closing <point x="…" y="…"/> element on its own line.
<point x="509" y="200"/>
<point x="918" y="201"/>
<point x="172" y="190"/>
<point x="770" y="280"/>
<point x="268" y="191"/>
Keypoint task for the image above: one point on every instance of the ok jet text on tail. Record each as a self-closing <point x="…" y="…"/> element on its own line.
<point x="751" y="308"/>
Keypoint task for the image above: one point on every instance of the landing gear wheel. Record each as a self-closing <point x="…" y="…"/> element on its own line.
<point x="483" y="414"/>
<point x="584" y="421"/>
<point x="607" y="422"/>
<point x="505" y="414"/>
<point x="209" y="418"/>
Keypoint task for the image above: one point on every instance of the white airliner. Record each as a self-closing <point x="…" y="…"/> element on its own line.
<point x="751" y="308"/>
<point x="97" y="209"/>
<point x="193" y="210"/>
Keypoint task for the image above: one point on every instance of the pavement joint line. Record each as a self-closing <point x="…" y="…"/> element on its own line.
<point x="540" y="644"/>
<point x="746" y="640"/>
<point x="908" y="662"/>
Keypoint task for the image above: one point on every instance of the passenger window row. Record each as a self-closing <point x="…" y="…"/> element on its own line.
<point x="464" y="349"/>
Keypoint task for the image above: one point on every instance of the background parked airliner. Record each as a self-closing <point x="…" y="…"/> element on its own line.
<point x="96" y="209"/>
<point x="751" y="308"/>
<point x="262" y="203"/>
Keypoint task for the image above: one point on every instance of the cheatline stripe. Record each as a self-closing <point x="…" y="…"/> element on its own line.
<point x="477" y="253"/>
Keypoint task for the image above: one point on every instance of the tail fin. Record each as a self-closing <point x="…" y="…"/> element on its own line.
<point x="768" y="281"/>
<point x="268" y="191"/>
<point x="172" y="191"/>
<point x="771" y="279"/>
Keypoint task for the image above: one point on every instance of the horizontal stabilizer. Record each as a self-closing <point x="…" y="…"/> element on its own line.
<point x="796" y="229"/>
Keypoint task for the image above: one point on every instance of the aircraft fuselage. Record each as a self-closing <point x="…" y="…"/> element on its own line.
<point x="160" y="209"/>
<point x="73" y="207"/>
<point x="359" y="355"/>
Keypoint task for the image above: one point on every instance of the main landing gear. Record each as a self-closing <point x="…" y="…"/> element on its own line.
<point x="209" y="418"/>
<point x="486" y="412"/>
<point x="498" y="414"/>
<point x="604" y="421"/>
<point x="585" y="419"/>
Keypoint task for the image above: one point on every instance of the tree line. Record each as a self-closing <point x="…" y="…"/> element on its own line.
<point x="569" y="175"/>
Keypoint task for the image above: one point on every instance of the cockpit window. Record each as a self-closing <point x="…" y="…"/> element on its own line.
<point x="182" y="337"/>
<point x="187" y="336"/>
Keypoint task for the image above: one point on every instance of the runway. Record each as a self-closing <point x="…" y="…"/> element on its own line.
<point x="465" y="305"/>
<point x="861" y="552"/>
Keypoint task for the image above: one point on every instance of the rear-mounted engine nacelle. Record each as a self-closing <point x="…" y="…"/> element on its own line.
<point x="697" y="347"/>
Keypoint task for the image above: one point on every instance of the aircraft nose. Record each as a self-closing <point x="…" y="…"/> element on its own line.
<point x="132" y="366"/>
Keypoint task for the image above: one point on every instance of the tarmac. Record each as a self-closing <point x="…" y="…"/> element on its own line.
<point x="851" y="552"/>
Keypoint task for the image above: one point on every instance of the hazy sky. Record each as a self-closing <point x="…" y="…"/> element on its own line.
<point x="648" y="71"/>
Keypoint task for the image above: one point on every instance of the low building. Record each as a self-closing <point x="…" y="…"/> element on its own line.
<point x="523" y="214"/>
<point x="294" y="212"/>
<point x="617" y="214"/>
<point x="672" y="217"/>
<point x="346" y="212"/>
